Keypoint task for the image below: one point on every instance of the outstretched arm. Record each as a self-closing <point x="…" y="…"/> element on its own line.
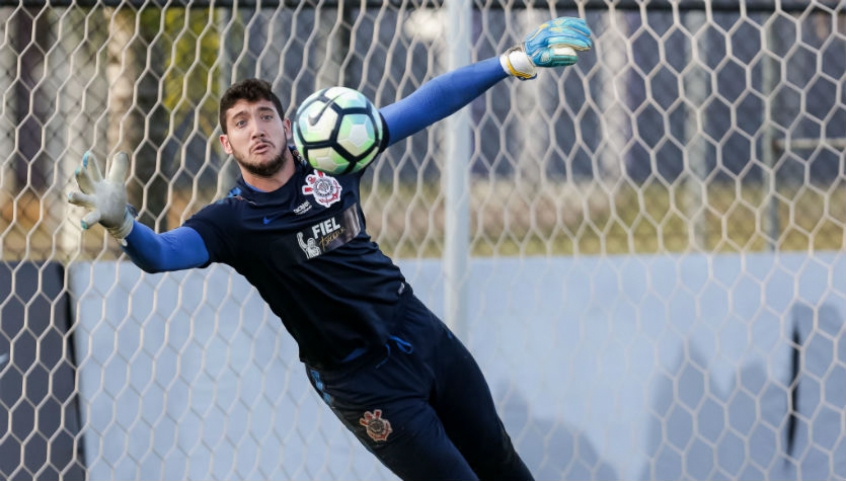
<point x="105" y="198"/>
<point x="439" y="98"/>
<point x="180" y="248"/>
<point x="551" y="44"/>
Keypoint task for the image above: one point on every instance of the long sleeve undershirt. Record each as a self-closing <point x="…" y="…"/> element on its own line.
<point x="183" y="248"/>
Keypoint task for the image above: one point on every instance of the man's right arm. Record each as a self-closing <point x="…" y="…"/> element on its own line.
<point x="105" y="200"/>
<point x="180" y="248"/>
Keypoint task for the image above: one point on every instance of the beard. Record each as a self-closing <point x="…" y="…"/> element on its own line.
<point x="266" y="169"/>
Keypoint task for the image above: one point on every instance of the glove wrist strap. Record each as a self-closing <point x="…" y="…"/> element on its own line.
<point x="124" y="229"/>
<point x="516" y="63"/>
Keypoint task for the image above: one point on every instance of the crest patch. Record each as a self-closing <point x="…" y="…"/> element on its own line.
<point x="325" y="189"/>
<point x="377" y="428"/>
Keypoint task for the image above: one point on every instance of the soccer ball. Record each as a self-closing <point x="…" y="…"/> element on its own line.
<point x="338" y="130"/>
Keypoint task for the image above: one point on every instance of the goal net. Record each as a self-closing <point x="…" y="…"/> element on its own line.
<point x="644" y="251"/>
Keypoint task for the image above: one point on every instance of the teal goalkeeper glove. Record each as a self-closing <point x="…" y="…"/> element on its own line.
<point x="552" y="44"/>
<point x="104" y="197"/>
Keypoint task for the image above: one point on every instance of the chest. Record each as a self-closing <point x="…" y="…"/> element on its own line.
<point x="311" y="201"/>
<point x="317" y="214"/>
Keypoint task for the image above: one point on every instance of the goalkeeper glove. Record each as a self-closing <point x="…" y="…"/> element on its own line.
<point x="104" y="197"/>
<point x="552" y="44"/>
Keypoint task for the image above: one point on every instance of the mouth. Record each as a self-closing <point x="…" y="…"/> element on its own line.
<point x="261" y="148"/>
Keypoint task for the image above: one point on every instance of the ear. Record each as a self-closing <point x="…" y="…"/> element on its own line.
<point x="289" y="134"/>
<point x="224" y="141"/>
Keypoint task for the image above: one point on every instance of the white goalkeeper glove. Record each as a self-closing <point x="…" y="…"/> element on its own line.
<point x="552" y="44"/>
<point x="104" y="197"/>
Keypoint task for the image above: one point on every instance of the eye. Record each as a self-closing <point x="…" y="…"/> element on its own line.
<point x="240" y="123"/>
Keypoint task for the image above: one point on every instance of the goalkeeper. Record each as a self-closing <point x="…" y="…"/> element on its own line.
<point x="385" y="364"/>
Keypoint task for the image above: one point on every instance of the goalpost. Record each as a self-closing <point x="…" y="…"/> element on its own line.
<point x="644" y="251"/>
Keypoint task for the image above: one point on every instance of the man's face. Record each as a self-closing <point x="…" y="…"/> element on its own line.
<point x="257" y="137"/>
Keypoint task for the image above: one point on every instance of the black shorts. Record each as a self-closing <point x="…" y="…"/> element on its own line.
<point x="422" y="405"/>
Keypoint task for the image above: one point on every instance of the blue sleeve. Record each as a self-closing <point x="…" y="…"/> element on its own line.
<point x="439" y="98"/>
<point x="180" y="248"/>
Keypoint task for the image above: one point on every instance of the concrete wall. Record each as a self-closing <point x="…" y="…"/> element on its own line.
<point x="646" y="367"/>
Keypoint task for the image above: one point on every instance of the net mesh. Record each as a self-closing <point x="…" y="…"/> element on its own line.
<point x="656" y="285"/>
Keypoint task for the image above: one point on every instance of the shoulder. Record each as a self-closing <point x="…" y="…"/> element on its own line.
<point x="236" y="196"/>
<point x="220" y="211"/>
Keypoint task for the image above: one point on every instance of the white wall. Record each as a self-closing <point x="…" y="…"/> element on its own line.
<point x="637" y="367"/>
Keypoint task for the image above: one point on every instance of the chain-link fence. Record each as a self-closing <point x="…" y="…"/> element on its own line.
<point x="656" y="278"/>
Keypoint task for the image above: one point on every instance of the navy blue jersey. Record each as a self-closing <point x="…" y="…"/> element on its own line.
<point x="305" y="248"/>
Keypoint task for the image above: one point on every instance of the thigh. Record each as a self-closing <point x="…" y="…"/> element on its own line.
<point x="464" y="404"/>
<point x="409" y="439"/>
<point x="387" y="409"/>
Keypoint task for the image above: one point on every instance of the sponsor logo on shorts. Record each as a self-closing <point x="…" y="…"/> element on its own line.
<point x="377" y="428"/>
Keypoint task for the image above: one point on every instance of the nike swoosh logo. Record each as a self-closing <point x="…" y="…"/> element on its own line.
<point x="315" y="117"/>
<point x="267" y="220"/>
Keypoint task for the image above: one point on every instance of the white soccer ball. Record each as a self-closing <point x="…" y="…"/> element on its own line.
<point x="338" y="130"/>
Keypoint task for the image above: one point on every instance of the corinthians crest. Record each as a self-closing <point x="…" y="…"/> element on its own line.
<point x="325" y="189"/>
<point x="377" y="428"/>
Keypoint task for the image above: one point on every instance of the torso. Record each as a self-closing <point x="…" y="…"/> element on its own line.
<point x="305" y="248"/>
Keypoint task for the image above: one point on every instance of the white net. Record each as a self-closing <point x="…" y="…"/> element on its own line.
<point x="654" y="280"/>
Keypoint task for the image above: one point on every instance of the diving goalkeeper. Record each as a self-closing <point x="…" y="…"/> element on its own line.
<point x="384" y="363"/>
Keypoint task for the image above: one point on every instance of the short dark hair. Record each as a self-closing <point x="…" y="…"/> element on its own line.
<point x="251" y="90"/>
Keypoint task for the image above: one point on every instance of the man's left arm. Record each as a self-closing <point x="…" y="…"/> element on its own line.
<point x="552" y="44"/>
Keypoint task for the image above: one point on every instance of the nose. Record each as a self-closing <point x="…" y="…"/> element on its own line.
<point x="257" y="131"/>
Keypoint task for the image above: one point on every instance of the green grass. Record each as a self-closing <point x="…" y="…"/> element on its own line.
<point x="568" y="220"/>
<point x="555" y="219"/>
